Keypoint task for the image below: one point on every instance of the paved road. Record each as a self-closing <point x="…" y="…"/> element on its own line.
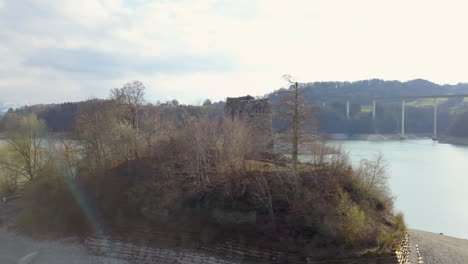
<point x="438" y="249"/>
<point x="13" y="247"/>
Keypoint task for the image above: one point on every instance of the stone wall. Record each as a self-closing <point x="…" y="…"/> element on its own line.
<point x="227" y="252"/>
<point x="256" y="113"/>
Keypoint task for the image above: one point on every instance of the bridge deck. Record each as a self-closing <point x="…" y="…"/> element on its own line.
<point x="381" y="98"/>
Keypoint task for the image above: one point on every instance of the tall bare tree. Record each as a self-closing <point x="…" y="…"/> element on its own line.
<point x="69" y="152"/>
<point x="237" y="143"/>
<point x="203" y="150"/>
<point x="373" y="174"/>
<point x="25" y="155"/>
<point x="295" y="109"/>
<point x="131" y="98"/>
<point x="102" y="140"/>
<point x="155" y="126"/>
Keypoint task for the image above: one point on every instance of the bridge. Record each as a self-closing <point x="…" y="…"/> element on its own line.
<point x="403" y="100"/>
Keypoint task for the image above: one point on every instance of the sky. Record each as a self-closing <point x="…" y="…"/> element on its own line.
<point x="67" y="50"/>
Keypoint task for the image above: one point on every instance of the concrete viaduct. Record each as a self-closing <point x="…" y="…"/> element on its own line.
<point x="403" y="100"/>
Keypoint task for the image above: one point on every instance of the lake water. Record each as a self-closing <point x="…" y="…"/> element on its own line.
<point x="429" y="180"/>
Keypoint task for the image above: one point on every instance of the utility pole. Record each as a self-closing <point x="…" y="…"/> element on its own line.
<point x="435" y="118"/>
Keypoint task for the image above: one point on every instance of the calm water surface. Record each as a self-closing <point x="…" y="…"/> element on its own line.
<point x="429" y="180"/>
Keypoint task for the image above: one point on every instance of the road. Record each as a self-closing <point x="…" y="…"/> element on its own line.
<point x="13" y="247"/>
<point x="437" y="248"/>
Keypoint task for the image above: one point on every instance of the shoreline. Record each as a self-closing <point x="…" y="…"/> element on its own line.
<point x="458" y="141"/>
<point x="376" y="137"/>
<point x="454" y="141"/>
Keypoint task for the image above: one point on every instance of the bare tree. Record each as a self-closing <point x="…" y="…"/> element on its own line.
<point x="155" y="126"/>
<point x="25" y="155"/>
<point x="70" y="153"/>
<point x="207" y="102"/>
<point x="298" y="112"/>
<point x="131" y="98"/>
<point x="372" y="174"/>
<point x="104" y="138"/>
<point x="237" y="143"/>
<point x="203" y="150"/>
<point x="9" y="182"/>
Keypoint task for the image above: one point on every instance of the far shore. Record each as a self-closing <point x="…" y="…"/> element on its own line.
<point x="385" y="137"/>
<point x="376" y="137"/>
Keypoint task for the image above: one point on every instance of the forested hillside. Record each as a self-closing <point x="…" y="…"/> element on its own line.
<point x="379" y="88"/>
<point x="63" y="117"/>
<point x="331" y="116"/>
<point x="330" y="101"/>
<point x="459" y="127"/>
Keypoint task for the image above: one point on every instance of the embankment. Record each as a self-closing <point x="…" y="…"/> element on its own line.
<point x="375" y="137"/>
<point x="454" y="140"/>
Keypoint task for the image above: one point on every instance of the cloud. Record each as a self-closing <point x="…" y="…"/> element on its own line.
<point x="59" y="50"/>
<point x="79" y="61"/>
<point x="104" y="65"/>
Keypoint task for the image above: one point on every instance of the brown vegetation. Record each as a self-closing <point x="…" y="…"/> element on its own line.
<point x="205" y="176"/>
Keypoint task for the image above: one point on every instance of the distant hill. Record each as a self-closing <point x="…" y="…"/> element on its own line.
<point x="377" y="88"/>
<point x="61" y="117"/>
<point x="333" y="119"/>
<point x="5" y="106"/>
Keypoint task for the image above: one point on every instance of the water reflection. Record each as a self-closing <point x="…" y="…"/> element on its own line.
<point x="429" y="180"/>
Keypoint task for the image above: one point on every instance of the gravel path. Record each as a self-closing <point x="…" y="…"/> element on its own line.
<point x="438" y="249"/>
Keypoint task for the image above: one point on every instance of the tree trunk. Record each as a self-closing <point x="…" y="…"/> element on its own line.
<point x="295" y="139"/>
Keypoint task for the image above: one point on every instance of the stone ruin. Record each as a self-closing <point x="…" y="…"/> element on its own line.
<point x="256" y="113"/>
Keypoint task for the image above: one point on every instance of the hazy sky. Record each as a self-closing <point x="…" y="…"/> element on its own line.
<point x="68" y="50"/>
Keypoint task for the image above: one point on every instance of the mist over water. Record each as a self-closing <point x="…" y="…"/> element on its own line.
<point x="429" y="181"/>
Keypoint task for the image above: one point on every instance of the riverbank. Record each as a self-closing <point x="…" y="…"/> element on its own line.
<point x="463" y="141"/>
<point x="454" y="140"/>
<point x="417" y="170"/>
<point x="375" y="137"/>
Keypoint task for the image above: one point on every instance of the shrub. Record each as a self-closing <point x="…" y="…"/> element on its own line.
<point x="387" y="240"/>
<point x="49" y="205"/>
<point x="354" y="220"/>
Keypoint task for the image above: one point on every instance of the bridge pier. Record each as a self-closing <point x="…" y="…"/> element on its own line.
<point x="435" y="118"/>
<point x="403" y="117"/>
<point x="373" y="110"/>
<point x="347" y="110"/>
